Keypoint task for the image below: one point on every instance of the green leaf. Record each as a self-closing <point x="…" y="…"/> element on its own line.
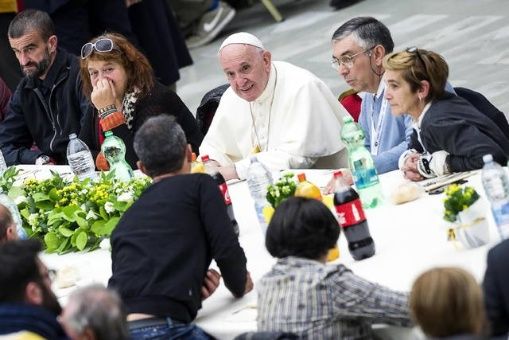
<point x="53" y="195"/>
<point x="65" y="231"/>
<point x="83" y="223"/>
<point x="52" y="242"/>
<point x="81" y="240"/>
<point x="15" y="192"/>
<point x="39" y="196"/>
<point x="44" y="205"/>
<point x="69" y="212"/>
<point x="121" y="206"/>
<point x="64" y="245"/>
<point x="98" y="227"/>
<point x="110" y="225"/>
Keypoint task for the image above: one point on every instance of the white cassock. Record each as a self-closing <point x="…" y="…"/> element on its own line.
<point x="295" y="123"/>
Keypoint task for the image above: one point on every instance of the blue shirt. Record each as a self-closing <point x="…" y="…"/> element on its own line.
<point x="395" y="131"/>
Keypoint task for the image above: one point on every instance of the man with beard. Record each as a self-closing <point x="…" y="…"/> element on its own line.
<point x="48" y="104"/>
<point x="27" y="304"/>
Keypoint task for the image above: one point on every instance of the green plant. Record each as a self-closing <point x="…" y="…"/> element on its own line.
<point x="74" y="215"/>
<point x="281" y="190"/>
<point x="458" y="199"/>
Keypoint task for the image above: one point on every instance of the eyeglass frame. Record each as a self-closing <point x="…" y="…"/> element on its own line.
<point x="336" y="63"/>
<point x="415" y="50"/>
<point x="94" y="47"/>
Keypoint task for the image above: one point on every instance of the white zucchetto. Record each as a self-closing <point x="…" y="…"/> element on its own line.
<point x="242" y="38"/>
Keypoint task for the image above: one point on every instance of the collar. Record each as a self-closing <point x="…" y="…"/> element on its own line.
<point x="421" y="117"/>
<point x="380" y="91"/>
<point x="269" y="88"/>
<point x="53" y="72"/>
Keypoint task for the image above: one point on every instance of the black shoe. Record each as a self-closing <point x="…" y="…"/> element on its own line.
<point x="338" y="4"/>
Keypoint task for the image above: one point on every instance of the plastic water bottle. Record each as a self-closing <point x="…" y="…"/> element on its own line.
<point x="361" y="164"/>
<point x="258" y="179"/>
<point x="3" y="165"/>
<point x="496" y="186"/>
<point x="7" y="202"/>
<point x="352" y="220"/>
<point x="113" y="148"/>
<point x="79" y="158"/>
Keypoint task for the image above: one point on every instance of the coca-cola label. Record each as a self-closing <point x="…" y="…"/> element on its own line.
<point x="224" y="190"/>
<point x="350" y="213"/>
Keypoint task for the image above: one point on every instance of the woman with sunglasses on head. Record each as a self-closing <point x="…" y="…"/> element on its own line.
<point x="120" y="83"/>
<point x="450" y="135"/>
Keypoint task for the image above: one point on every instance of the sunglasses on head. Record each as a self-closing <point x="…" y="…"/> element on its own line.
<point x="102" y="45"/>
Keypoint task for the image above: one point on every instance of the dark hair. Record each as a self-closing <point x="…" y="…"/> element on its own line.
<point x="31" y="20"/>
<point x="160" y="144"/>
<point x="99" y="309"/>
<point x="302" y="227"/>
<point x="137" y="67"/>
<point x="5" y="221"/>
<point x="416" y="65"/>
<point x="18" y="266"/>
<point x="367" y="31"/>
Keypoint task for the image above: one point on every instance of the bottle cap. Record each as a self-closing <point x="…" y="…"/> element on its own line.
<point x="193" y="157"/>
<point x="205" y="158"/>
<point x="72" y="135"/>
<point x="301" y="177"/>
<point x="338" y="173"/>
<point x="108" y="133"/>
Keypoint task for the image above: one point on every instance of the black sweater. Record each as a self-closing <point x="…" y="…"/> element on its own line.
<point x="164" y="244"/>
<point x="453" y="125"/>
<point x="159" y="100"/>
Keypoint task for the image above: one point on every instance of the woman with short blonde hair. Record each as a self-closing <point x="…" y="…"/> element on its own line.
<point x="447" y="302"/>
<point x="450" y="135"/>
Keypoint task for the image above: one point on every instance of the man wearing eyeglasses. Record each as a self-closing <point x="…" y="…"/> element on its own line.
<point x="48" y="104"/>
<point x="358" y="48"/>
<point x="28" y="306"/>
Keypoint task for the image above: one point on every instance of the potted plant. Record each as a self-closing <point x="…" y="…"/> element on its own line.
<point x="467" y="211"/>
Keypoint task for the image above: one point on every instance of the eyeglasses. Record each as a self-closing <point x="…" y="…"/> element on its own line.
<point x="102" y="45"/>
<point x="415" y="50"/>
<point x="347" y="60"/>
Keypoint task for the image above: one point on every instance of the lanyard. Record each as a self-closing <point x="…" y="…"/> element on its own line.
<point x="376" y="134"/>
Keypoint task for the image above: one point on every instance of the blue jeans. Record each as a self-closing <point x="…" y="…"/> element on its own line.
<point x="168" y="330"/>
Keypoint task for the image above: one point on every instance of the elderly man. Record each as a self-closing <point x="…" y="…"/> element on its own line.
<point x="358" y="48"/>
<point x="282" y="113"/>
<point x="95" y="313"/>
<point x="28" y="307"/>
<point x="162" y="247"/>
<point x="48" y="104"/>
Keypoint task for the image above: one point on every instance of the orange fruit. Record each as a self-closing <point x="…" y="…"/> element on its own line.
<point x="333" y="254"/>
<point x="309" y="190"/>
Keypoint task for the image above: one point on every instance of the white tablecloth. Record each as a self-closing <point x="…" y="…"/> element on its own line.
<point x="409" y="238"/>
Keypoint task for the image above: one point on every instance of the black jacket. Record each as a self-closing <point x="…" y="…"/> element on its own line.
<point x="454" y="125"/>
<point x="46" y="120"/>
<point x="163" y="245"/>
<point x="496" y="288"/>
<point x="160" y="100"/>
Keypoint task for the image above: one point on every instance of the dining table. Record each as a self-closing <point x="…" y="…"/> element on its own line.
<point x="410" y="238"/>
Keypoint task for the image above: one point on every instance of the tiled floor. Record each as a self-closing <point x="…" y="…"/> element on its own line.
<point x="473" y="36"/>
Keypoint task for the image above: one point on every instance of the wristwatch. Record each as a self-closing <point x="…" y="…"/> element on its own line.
<point x="42" y="160"/>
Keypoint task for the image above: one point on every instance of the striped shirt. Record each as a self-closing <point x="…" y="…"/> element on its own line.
<point x="318" y="301"/>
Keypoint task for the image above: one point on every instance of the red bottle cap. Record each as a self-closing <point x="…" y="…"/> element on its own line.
<point x="205" y="158"/>
<point x="301" y="177"/>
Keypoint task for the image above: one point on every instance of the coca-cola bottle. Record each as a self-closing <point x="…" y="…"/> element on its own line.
<point x="352" y="220"/>
<point x="224" y="190"/>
